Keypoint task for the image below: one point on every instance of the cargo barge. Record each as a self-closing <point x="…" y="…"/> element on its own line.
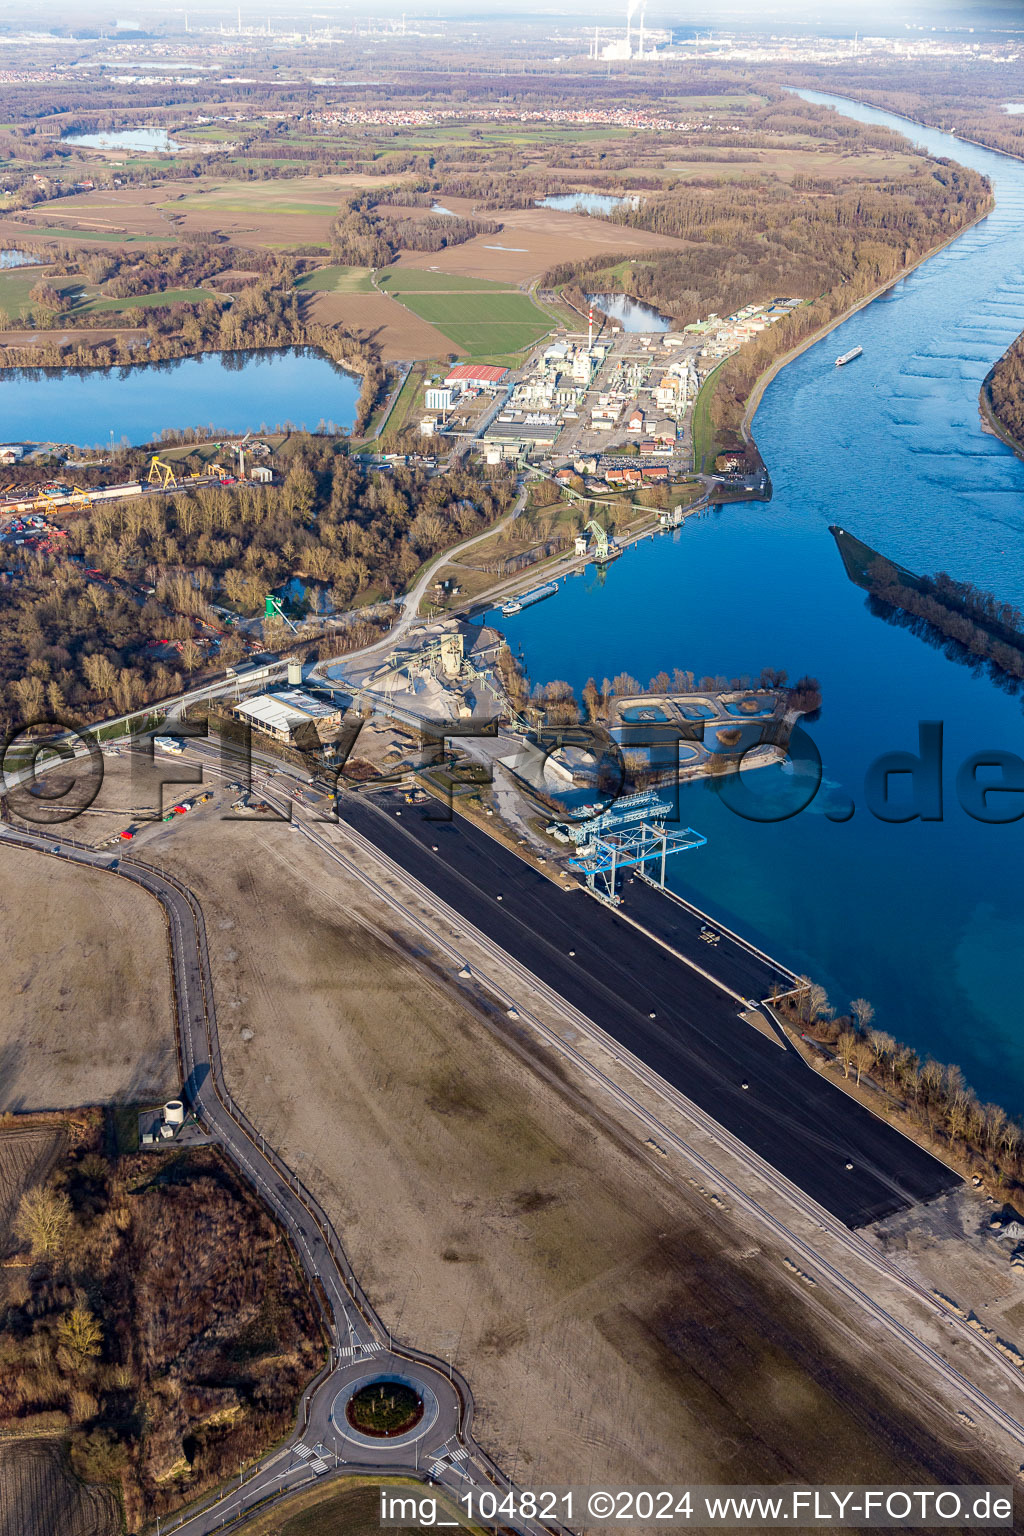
<point x="527" y="600"/>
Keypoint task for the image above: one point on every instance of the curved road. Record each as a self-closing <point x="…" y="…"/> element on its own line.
<point x="443" y="1451"/>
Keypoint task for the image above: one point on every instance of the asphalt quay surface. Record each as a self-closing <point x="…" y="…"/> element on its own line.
<point x="676" y="1020"/>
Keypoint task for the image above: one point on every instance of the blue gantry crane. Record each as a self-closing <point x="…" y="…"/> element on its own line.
<point x="630" y="835"/>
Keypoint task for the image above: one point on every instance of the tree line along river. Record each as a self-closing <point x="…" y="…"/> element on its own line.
<point x="923" y="918"/>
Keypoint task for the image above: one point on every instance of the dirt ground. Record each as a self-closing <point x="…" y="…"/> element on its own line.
<point x="39" y="1493"/>
<point x="949" y="1247"/>
<point x="534" y="239"/>
<point x="379" y="317"/>
<point x="272" y="213"/>
<point x="612" y="1325"/>
<point x="85" y="1000"/>
<point x="27" y="1153"/>
<point x="34" y="338"/>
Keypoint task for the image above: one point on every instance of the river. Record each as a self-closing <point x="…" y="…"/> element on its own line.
<point x="228" y="391"/>
<point x="922" y="918"/>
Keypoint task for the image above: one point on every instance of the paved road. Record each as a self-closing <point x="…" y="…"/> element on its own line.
<point x="442" y="1448"/>
<point x="676" y="1020"/>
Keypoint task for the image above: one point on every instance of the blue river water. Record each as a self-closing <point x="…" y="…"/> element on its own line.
<point x="228" y="391"/>
<point x="923" y="918"/>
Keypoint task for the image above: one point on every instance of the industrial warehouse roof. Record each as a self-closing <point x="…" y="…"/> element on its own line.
<point x="282" y="711"/>
<point x="475" y="373"/>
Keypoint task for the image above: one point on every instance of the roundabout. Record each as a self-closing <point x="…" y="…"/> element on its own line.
<point x="384" y="1410"/>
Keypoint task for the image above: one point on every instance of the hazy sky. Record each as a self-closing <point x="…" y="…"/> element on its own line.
<point x="830" y="15"/>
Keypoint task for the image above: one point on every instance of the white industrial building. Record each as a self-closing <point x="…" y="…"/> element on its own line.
<point x="439" y="398"/>
<point x="279" y="714"/>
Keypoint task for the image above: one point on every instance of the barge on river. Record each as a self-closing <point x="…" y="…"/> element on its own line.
<point x="527" y="599"/>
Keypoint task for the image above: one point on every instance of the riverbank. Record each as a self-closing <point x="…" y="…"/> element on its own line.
<point x="771" y="372"/>
<point x="990" y="421"/>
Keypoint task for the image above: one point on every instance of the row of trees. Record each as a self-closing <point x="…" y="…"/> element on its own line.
<point x="933" y="1096"/>
<point x="949" y="614"/>
<point x="558" y="704"/>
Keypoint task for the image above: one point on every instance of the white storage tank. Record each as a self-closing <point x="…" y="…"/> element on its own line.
<point x="174" y="1112"/>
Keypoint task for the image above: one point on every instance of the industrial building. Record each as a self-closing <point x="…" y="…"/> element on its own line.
<point x="280" y="713"/>
<point x="476" y="376"/>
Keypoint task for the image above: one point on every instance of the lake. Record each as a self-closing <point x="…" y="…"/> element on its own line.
<point x="19" y="259"/>
<point x="631" y="314"/>
<point x="228" y="391"/>
<point x="585" y="202"/>
<point x="139" y="140"/>
<point x="923" y="918"/>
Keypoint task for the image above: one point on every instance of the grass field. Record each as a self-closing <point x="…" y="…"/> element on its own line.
<point x="482" y="322"/>
<point x="92" y="306"/>
<point x="85" y="1002"/>
<point x="409" y="396"/>
<point x="704" y="448"/>
<point x="336" y="280"/>
<point x="15" y="287"/>
<point x="109" y="237"/>
<point x="239" y="205"/>
<point x="413" y="280"/>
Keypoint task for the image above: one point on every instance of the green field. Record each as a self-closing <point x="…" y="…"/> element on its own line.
<point x="412" y="280"/>
<point x="704" y="444"/>
<point x="109" y="237"/>
<point x="253" y="205"/>
<point x="146" y="300"/>
<point x="336" y="280"/>
<point x="15" y="286"/>
<point x="482" y="323"/>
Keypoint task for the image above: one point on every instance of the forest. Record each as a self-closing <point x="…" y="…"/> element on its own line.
<point x="165" y="1375"/>
<point x="88" y="645"/>
<point x="959" y="95"/>
<point x="832" y="244"/>
<point x="1005" y="389"/>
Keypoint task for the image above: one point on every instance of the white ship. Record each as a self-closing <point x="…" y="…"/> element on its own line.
<point x="848" y="357"/>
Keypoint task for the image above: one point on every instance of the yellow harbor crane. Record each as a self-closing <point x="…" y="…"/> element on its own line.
<point x="162" y="474"/>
